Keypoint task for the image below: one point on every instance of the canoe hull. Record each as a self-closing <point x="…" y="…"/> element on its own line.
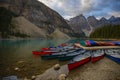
<point x="65" y="58"/>
<point x="49" y="57"/>
<point x="45" y="49"/>
<point x="41" y="52"/>
<point x="117" y="60"/>
<point x="95" y="59"/>
<point x="78" y="63"/>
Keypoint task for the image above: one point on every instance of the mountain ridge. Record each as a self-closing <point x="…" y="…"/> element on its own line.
<point x="38" y="14"/>
<point x="89" y="24"/>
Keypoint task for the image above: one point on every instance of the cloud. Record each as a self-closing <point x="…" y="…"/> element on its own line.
<point x="117" y="14"/>
<point x="70" y="8"/>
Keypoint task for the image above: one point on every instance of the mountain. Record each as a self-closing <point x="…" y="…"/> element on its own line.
<point x="114" y="20"/>
<point x="92" y="21"/>
<point x="38" y="14"/>
<point x="80" y="21"/>
<point x="78" y="24"/>
<point x="88" y="25"/>
<point x="57" y="34"/>
<point x="103" y="21"/>
<point x="26" y="27"/>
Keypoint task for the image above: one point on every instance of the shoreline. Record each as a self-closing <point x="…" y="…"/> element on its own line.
<point x="104" y="69"/>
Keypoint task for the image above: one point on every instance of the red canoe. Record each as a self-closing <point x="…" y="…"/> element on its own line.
<point x="44" y="52"/>
<point x="79" y="60"/>
<point x="97" y="55"/>
<point x="53" y="50"/>
<point x="43" y="49"/>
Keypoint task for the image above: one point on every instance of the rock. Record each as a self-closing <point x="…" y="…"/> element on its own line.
<point x="17" y="69"/>
<point x="56" y="66"/>
<point x="33" y="77"/>
<point x="28" y="28"/>
<point x="26" y="78"/>
<point x="19" y="62"/>
<point x="57" y="34"/>
<point x="62" y="77"/>
<point x="118" y="78"/>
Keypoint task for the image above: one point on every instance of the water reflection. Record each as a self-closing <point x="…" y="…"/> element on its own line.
<point x="13" y="51"/>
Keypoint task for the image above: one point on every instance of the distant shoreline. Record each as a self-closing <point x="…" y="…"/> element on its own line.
<point x="21" y="38"/>
<point x="47" y="38"/>
<point x="103" y="39"/>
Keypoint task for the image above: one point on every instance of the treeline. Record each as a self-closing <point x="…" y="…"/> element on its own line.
<point x="107" y="31"/>
<point x="6" y="26"/>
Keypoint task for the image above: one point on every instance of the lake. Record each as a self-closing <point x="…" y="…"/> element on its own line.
<point x="18" y="53"/>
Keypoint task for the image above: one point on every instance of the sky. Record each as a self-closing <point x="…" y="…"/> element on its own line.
<point x="97" y="8"/>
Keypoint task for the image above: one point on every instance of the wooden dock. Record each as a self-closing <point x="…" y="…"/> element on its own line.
<point x="96" y="47"/>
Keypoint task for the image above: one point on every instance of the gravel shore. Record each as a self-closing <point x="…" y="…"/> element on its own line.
<point x="104" y="69"/>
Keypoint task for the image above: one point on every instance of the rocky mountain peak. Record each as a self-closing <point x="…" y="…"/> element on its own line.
<point x="112" y="18"/>
<point x="92" y="21"/>
<point x="79" y="23"/>
<point x="78" y="18"/>
<point x="103" y="19"/>
<point x="91" y="17"/>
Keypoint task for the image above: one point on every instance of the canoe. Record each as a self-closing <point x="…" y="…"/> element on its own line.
<point x="79" y="60"/>
<point x="92" y="43"/>
<point x="70" y="55"/>
<point x="101" y="43"/>
<point x="97" y="55"/>
<point x="113" y="54"/>
<point x="53" y="50"/>
<point x="87" y="43"/>
<point x="55" y="55"/>
<point x="57" y="47"/>
<point x="82" y="43"/>
<point x="116" y="43"/>
<point x="44" y="52"/>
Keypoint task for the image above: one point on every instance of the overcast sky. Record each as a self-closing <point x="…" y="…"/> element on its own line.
<point x="98" y="8"/>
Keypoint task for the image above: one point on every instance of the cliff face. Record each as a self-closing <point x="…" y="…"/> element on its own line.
<point x="25" y="27"/>
<point x="37" y="13"/>
<point x="59" y="35"/>
<point x="92" y="21"/>
<point x="80" y="25"/>
<point x="80" y="21"/>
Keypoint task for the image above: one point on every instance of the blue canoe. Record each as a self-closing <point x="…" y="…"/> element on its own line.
<point x="113" y="54"/>
<point x="70" y="55"/>
<point x="116" y="43"/>
<point x="93" y="43"/>
<point x="55" y="55"/>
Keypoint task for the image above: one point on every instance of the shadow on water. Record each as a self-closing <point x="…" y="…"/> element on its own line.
<point x="18" y="53"/>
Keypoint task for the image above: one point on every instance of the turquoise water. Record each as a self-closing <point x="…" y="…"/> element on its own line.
<point x="18" y="53"/>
